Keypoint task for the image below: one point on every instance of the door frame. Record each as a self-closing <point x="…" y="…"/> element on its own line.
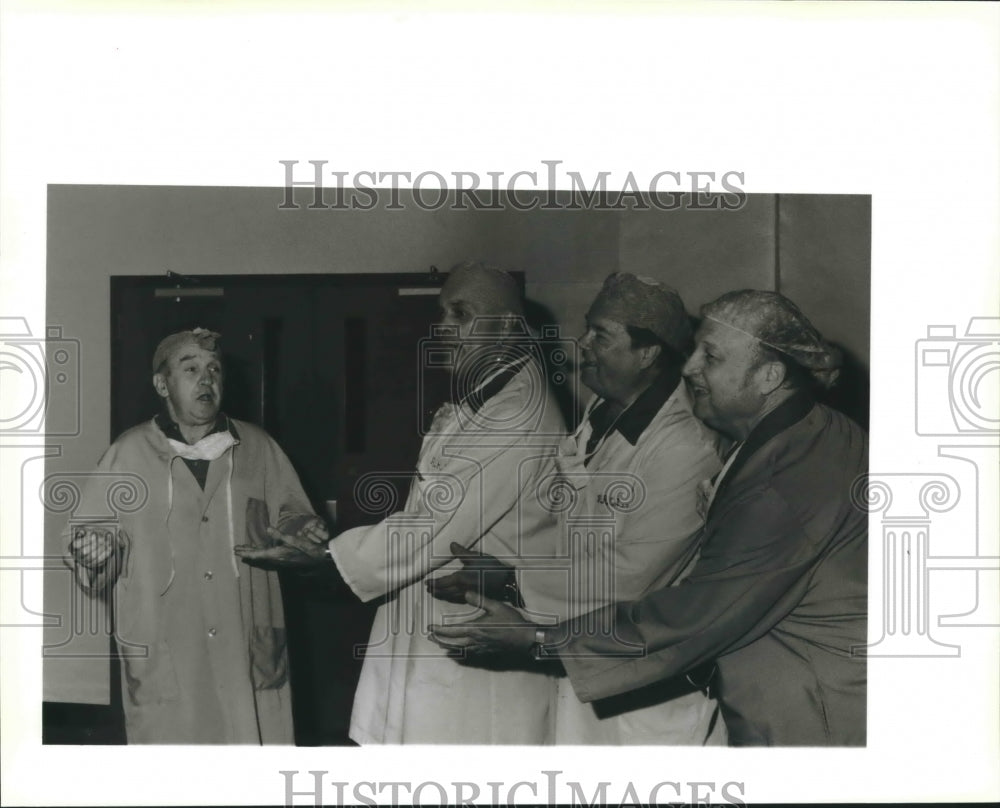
<point x="199" y="285"/>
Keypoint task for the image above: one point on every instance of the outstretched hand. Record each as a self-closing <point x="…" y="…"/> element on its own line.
<point x="303" y="551"/>
<point x="499" y="630"/>
<point x="316" y="531"/>
<point x="480" y="574"/>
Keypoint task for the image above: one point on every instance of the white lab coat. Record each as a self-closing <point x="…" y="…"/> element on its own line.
<point x="629" y="525"/>
<point x="476" y="483"/>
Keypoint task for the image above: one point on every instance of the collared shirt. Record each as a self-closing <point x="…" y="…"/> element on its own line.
<point x="507" y="368"/>
<point x="778" y="594"/>
<point x="199" y="468"/>
<point x="632" y="422"/>
<point x="786" y="415"/>
<point x="727" y="464"/>
<point x="479" y="484"/>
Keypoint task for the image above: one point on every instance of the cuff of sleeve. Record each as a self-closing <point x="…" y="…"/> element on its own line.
<point x="594" y="677"/>
<point x="289" y="522"/>
<point x="364" y="593"/>
<point x="600" y="665"/>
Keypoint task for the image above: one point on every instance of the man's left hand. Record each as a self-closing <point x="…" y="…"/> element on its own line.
<point x="500" y="630"/>
<point x="299" y="552"/>
<point x="315" y="531"/>
<point x="480" y="573"/>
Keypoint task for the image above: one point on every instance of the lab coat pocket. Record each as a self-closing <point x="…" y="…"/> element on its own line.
<point x="268" y="657"/>
<point x="151" y="679"/>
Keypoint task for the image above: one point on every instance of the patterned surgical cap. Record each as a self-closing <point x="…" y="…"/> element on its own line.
<point x="644" y="303"/>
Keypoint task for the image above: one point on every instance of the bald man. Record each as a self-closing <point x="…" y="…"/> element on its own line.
<point x="627" y="503"/>
<point x="476" y="485"/>
<point x="778" y="595"/>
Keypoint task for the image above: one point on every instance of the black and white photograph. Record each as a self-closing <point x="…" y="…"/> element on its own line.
<point x="449" y="415"/>
<point x="572" y="465"/>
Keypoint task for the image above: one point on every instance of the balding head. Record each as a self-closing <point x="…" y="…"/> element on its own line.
<point x="201" y="337"/>
<point x="488" y="290"/>
<point x="481" y="308"/>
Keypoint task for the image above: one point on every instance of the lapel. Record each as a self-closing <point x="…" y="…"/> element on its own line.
<point x="786" y="415"/>
<point x="478" y="397"/>
<point x="217" y="471"/>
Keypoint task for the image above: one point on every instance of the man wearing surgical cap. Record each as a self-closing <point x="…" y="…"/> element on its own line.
<point x="778" y="596"/>
<point x="202" y="638"/>
<point x="633" y="466"/>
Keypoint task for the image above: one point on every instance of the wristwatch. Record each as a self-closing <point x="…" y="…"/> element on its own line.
<point x="511" y="591"/>
<point x="539" y="649"/>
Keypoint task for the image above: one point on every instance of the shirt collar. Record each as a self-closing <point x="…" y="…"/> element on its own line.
<point x="169" y="427"/>
<point x="784" y="416"/>
<point x="509" y="369"/>
<point x="640" y="413"/>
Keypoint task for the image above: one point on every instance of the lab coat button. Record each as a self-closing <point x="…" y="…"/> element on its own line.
<point x="204" y="519"/>
<point x="212" y="632"/>
<point x="208" y="575"/>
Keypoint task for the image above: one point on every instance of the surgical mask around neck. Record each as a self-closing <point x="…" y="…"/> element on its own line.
<point x="211" y="447"/>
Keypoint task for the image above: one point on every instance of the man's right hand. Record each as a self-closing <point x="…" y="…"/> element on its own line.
<point x="481" y="574"/>
<point x="295" y="552"/>
<point x="91" y="547"/>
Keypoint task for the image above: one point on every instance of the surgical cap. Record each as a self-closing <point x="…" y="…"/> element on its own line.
<point x="490" y="289"/>
<point x="773" y="320"/>
<point x="202" y="337"/>
<point x="644" y="303"/>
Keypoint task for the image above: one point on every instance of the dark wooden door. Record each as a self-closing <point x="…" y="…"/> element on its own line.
<point x="330" y="366"/>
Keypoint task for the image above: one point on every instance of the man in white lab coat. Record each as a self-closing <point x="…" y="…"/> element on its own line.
<point x="477" y="485"/>
<point x="627" y="493"/>
<point x="778" y="596"/>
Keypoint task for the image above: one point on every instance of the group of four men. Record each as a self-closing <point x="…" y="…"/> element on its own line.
<point x="692" y="547"/>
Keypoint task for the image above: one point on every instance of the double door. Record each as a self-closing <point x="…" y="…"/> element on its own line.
<point x="332" y="366"/>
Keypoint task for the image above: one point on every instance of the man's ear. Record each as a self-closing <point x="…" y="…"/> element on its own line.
<point x="649" y="355"/>
<point x="160" y="385"/>
<point x="770" y="376"/>
<point x="510" y="325"/>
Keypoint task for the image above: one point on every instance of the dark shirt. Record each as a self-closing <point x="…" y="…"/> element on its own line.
<point x="637" y="416"/>
<point x="778" y="595"/>
<point x="199" y="468"/>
